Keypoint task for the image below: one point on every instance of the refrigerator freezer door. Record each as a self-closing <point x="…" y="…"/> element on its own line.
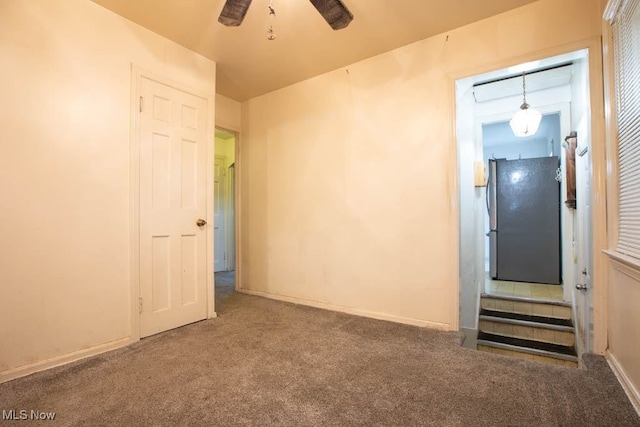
<point x="528" y="220"/>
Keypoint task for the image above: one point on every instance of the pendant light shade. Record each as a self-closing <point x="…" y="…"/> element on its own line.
<point x="527" y="120"/>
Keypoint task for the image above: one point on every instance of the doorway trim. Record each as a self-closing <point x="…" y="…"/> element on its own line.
<point x="221" y="228"/>
<point x="137" y="73"/>
<point x="237" y="205"/>
<point x="599" y="230"/>
<point x="230" y="218"/>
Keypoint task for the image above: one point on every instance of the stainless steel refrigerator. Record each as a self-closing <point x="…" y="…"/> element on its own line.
<point x="523" y="200"/>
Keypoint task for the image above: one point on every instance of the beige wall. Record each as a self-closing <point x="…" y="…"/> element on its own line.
<point x="624" y="321"/>
<point x="64" y="167"/>
<point x="333" y="215"/>
<point x="227" y="113"/>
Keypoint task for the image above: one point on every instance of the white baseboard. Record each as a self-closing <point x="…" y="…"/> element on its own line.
<point x="42" y="365"/>
<point x="350" y="310"/>
<point x="625" y="381"/>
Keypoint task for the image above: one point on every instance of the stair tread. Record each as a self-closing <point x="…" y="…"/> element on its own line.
<point x="528" y="324"/>
<point x="521" y="342"/>
<point x="527" y="317"/>
<point x="547" y="301"/>
<point x="527" y="350"/>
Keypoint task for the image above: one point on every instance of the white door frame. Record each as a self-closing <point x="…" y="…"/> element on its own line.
<point x="137" y="73"/>
<point x="224" y="214"/>
<point x="230" y="218"/>
<point x="237" y="229"/>
<point x="598" y="230"/>
<point x="584" y="224"/>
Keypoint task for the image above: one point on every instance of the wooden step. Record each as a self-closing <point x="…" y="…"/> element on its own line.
<point x="529" y="306"/>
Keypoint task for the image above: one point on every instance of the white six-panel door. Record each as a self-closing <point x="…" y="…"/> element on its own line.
<point x="173" y="186"/>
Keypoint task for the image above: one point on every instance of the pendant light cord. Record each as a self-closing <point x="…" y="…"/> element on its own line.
<point x="271" y="34"/>
<point x="524" y="92"/>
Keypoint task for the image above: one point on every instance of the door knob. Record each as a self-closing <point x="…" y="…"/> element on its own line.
<point x="581" y="287"/>
<point x="201" y="222"/>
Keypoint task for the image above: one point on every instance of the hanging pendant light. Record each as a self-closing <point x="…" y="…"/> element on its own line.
<point x="527" y="120"/>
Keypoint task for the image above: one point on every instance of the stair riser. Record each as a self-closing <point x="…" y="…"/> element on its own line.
<point x="528" y="332"/>
<point x="527" y="356"/>
<point x="532" y="308"/>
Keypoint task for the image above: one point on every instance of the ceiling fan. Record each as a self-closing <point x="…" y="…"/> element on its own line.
<point x="333" y="11"/>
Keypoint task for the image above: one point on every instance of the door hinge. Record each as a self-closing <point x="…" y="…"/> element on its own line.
<point x="141" y="101"/>
<point x="140" y="305"/>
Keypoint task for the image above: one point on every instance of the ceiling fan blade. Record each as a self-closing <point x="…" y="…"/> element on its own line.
<point x="233" y="12"/>
<point x="334" y="12"/>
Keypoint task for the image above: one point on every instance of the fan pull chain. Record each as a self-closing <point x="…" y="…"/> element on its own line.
<point x="271" y="34"/>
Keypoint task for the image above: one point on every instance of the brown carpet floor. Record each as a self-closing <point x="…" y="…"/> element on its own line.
<point x="264" y="362"/>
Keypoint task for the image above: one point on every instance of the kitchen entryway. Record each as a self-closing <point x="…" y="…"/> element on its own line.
<point x="514" y="313"/>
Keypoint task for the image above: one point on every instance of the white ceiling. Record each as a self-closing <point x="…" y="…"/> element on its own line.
<point x="497" y="134"/>
<point x="249" y="65"/>
<point x="542" y="76"/>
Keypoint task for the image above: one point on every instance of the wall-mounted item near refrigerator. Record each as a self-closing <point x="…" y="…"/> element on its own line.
<point x="570" y="144"/>
<point x="523" y="201"/>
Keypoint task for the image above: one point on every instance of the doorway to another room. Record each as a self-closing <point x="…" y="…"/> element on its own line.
<point x="524" y="245"/>
<point x="523" y="232"/>
<point x="224" y="217"/>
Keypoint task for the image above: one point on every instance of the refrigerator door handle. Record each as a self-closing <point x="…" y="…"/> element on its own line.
<point x="493" y="252"/>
